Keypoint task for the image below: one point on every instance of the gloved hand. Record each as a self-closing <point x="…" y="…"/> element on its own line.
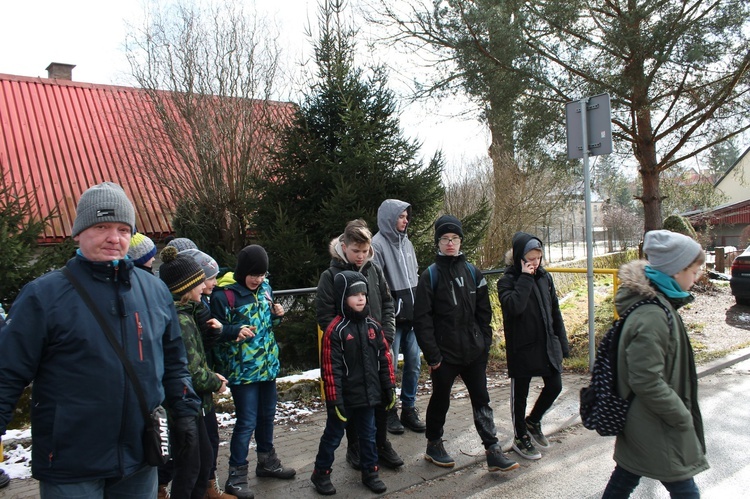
<point x="389" y="398"/>
<point x="337" y="412"/>
<point x="184" y="438"/>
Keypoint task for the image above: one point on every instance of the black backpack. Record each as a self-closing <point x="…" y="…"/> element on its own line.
<point x="602" y="408"/>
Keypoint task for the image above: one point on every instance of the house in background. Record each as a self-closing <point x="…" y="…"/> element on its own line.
<point x="59" y="137"/>
<point x="729" y="223"/>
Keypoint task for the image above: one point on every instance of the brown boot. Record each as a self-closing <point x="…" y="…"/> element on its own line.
<point x="214" y="491"/>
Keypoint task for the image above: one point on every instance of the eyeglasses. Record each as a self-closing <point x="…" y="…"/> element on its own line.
<point x="450" y="240"/>
<point x="258" y="276"/>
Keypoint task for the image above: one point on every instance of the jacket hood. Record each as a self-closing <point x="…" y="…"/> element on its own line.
<point x="337" y="251"/>
<point x="341" y="282"/>
<point x="388" y="214"/>
<point x="514" y="256"/>
<point x="635" y="285"/>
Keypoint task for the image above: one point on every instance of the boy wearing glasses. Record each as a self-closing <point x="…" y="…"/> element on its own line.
<point x="452" y="317"/>
<point x="248" y="356"/>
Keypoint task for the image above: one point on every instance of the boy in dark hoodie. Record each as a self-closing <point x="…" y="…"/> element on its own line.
<point x="358" y="376"/>
<point x="535" y="339"/>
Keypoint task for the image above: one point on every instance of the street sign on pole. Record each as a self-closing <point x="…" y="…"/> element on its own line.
<point x="589" y="130"/>
<point x="599" y="127"/>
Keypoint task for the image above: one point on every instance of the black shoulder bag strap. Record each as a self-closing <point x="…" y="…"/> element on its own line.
<point x="111" y="337"/>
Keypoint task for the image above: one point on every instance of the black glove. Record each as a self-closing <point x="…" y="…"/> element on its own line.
<point x="389" y="398"/>
<point x="184" y="438"/>
<point x="337" y="412"/>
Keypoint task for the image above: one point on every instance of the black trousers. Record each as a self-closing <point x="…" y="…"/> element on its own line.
<point x="381" y="429"/>
<point x="193" y="457"/>
<point x="519" y="392"/>
<point x="474" y="377"/>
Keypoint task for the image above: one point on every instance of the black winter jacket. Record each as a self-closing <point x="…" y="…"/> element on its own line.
<point x="86" y="420"/>
<point x="355" y="358"/>
<point x="535" y="337"/>
<point x="452" y="323"/>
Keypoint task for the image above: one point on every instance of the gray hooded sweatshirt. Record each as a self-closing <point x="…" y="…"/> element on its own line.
<point x="395" y="254"/>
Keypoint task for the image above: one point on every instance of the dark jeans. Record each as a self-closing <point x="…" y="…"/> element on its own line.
<point x="381" y="429"/>
<point x="474" y="377"/>
<point x="364" y="420"/>
<point x="212" y="430"/>
<point x="622" y="483"/>
<point x="192" y="464"/>
<point x="255" y="408"/>
<point x="519" y="392"/>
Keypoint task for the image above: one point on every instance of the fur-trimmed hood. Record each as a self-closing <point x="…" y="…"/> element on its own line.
<point x="635" y="285"/>
<point x="337" y="251"/>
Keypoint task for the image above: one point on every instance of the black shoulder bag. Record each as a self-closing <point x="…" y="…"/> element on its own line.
<point x="156" y="448"/>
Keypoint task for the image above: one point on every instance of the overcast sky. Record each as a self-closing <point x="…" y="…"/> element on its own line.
<point x="90" y="34"/>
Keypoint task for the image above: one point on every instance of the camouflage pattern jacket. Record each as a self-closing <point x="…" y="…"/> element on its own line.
<point x="205" y="381"/>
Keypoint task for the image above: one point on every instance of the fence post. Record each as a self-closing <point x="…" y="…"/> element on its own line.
<point x="719" y="257"/>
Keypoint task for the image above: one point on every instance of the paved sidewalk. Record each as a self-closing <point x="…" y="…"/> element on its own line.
<point x="297" y="445"/>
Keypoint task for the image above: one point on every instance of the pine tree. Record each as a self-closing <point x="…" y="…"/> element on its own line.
<point x="343" y="155"/>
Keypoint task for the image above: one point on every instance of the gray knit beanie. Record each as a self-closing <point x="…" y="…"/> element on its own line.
<point x="182" y="244"/>
<point x="105" y="202"/>
<point x="670" y="252"/>
<point x="208" y="264"/>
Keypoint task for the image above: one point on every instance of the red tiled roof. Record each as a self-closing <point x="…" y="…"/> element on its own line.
<point x="59" y="137"/>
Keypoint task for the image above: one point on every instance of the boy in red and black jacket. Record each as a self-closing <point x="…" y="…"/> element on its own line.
<point x="357" y="372"/>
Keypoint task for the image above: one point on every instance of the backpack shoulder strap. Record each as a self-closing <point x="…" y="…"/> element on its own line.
<point x="230" y="297"/>
<point x="473" y="269"/>
<point x="432" y="269"/>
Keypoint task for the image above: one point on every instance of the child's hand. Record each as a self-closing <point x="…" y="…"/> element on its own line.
<point x="223" y="380"/>
<point x="278" y="310"/>
<point x="214" y="323"/>
<point x="245" y="333"/>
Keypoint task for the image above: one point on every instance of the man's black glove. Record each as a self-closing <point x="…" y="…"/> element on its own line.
<point x="185" y="441"/>
<point x="337" y="412"/>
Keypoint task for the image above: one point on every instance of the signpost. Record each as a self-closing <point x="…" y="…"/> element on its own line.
<point x="588" y="124"/>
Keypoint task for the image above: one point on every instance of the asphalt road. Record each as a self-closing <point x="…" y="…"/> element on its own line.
<point x="579" y="462"/>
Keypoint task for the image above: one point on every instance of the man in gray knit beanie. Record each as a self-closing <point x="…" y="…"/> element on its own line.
<point x="105" y="202"/>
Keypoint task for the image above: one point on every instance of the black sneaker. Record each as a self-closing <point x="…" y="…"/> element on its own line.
<point x="436" y="454"/>
<point x="525" y="448"/>
<point x="394" y="425"/>
<point x="388" y="457"/>
<point x="535" y="430"/>
<point x="321" y="479"/>
<point x="352" y="457"/>
<point x="410" y="419"/>
<point x="496" y="460"/>
<point x="4" y="479"/>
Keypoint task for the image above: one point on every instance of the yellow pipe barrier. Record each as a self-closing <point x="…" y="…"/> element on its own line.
<point x="613" y="272"/>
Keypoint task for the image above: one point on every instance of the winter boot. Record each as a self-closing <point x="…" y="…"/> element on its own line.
<point x="237" y="483"/>
<point x="4" y="478"/>
<point x="163" y="492"/>
<point x="269" y="465"/>
<point x="388" y="457"/>
<point x="322" y="481"/>
<point x="437" y="454"/>
<point x="394" y="425"/>
<point x="372" y="481"/>
<point x="352" y="456"/>
<point x="214" y="491"/>
<point x="496" y="460"/>
<point x="410" y="419"/>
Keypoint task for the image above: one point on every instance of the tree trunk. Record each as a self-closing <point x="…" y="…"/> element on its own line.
<point x="651" y="199"/>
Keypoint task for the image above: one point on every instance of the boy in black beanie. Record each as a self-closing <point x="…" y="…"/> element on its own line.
<point x="248" y="355"/>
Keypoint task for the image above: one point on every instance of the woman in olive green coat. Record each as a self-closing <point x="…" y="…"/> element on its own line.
<point x="663" y="435"/>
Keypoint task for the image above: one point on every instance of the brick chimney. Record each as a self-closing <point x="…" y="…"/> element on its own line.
<point x="60" y="71"/>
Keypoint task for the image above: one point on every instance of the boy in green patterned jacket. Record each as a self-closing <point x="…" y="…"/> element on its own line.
<point x="248" y="355"/>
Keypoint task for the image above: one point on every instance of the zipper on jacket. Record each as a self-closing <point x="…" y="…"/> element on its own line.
<point x="139" y="326"/>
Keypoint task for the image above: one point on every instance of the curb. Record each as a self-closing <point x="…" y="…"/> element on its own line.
<point x="724" y="362"/>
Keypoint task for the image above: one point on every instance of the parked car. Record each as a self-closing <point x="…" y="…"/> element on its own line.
<point x="740" y="280"/>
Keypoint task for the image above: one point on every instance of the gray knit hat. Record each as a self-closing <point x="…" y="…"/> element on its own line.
<point x="208" y="264"/>
<point x="670" y="252"/>
<point x="105" y="202"/>
<point x="182" y="244"/>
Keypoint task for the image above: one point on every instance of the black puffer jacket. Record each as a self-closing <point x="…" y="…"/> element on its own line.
<point x="535" y="337"/>
<point x="452" y="322"/>
<point x="355" y="358"/>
